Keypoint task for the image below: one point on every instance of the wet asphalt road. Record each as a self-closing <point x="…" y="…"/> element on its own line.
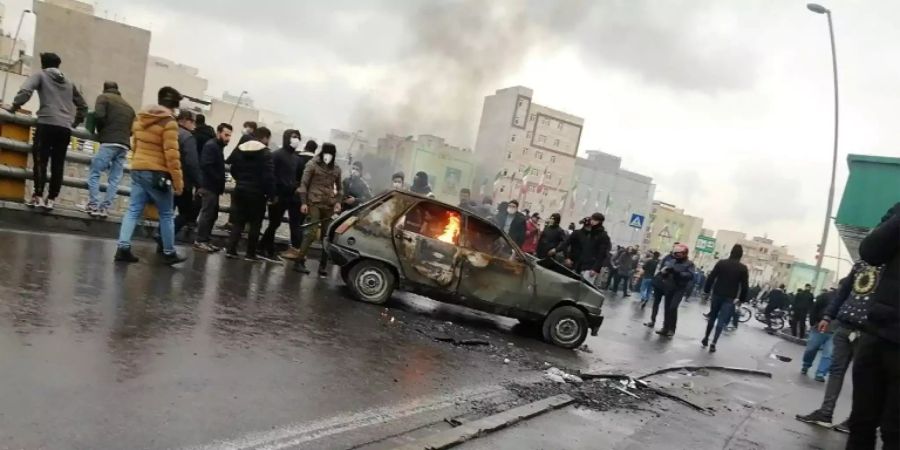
<point x="212" y="353"/>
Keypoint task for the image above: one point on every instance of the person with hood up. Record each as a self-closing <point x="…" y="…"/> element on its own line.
<point x="254" y="177"/>
<point x="190" y="166"/>
<point x="803" y="303"/>
<point x="671" y="281"/>
<point x="551" y="237"/>
<point x="113" y="117"/>
<point x="319" y="191"/>
<point x="512" y="221"/>
<point x="61" y="109"/>
<point x="156" y="175"/>
<point x="356" y="190"/>
<point x="202" y="133"/>
<point x="587" y="248"/>
<point x="286" y="161"/>
<point x="625" y="267"/>
<point x="728" y="281"/>
<point x="212" y="185"/>
<point x="420" y="185"/>
<point x="532" y="234"/>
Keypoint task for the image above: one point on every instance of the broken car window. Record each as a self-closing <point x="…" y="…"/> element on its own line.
<point x="434" y="221"/>
<point x="485" y="238"/>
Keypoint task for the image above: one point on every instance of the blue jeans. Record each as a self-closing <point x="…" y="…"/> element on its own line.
<point x="143" y="192"/>
<point x="815" y="342"/>
<point x="720" y="312"/>
<point x="112" y="158"/>
<point x="646" y="288"/>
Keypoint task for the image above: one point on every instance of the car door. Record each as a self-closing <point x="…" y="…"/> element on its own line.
<point x="426" y="239"/>
<point x="494" y="275"/>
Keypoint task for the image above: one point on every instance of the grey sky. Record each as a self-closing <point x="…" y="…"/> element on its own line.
<point x="727" y="104"/>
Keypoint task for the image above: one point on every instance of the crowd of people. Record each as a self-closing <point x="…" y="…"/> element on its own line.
<point x="178" y="164"/>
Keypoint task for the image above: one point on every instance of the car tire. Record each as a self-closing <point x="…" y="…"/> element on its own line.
<point x="566" y="327"/>
<point x="372" y="281"/>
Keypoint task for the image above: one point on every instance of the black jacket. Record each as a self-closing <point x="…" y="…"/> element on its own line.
<point x="203" y="134"/>
<point x="882" y="248"/>
<point x="357" y="188"/>
<point x="551" y="237"/>
<point x="212" y="166"/>
<point x="818" y="310"/>
<point x="516" y="228"/>
<point x="252" y="169"/>
<point x="729" y="277"/>
<point x="285" y="162"/>
<point x="190" y="161"/>
<point x="674" y="273"/>
<point x="588" y="249"/>
<point x="803" y="304"/>
<point x="649" y="267"/>
<point x="113" y="117"/>
<point x="778" y="299"/>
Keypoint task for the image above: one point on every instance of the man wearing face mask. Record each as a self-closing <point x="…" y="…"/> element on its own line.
<point x="285" y="161"/>
<point x="356" y="190"/>
<point x="512" y="222"/>
<point x="398" y="181"/>
<point x="319" y="191"/>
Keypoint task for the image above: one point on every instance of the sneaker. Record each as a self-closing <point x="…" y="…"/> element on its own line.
<point x="816" y="418"/>
<point x="662" y="332"/>
<point x="102" y="213"/>
<point x="89" y="209"/>
<point x="291" y="253"/>
<point x="231" y="255"/>
<point x="252" y="258"/>
<point x="125" y="255"/>
<point x="842" y="427"/>
<point x="35" y="201"/>
<point x="804" y="371"/>
<point x="203" y="247"/>
<point x="300" y="266"/>
<point x="649" y="324"/>
<point x="704" y="342"/>
<point x="173" y="258"/>
<point x="820" y="378"/>
<point x="712" y="348"/>
<point x="323" y="273"/>
<point x="48" y="204"/>
<point x="270" y="258"/>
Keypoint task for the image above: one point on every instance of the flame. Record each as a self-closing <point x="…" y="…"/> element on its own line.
<point x="451" y="230"/>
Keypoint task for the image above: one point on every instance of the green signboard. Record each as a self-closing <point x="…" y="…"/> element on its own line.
<point x="706" y="244"/>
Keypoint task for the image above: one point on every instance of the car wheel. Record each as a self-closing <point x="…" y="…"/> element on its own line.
<point x="566" y="327"/>
<point x="372" y="281"/>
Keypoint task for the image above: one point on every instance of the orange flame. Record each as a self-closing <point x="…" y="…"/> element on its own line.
<point x="451" y="230"/>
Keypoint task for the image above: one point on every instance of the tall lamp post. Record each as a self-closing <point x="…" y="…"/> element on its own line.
<point x="819" y="9"/>
<point x="12" y="52"/>
<point x="236" y="104"/>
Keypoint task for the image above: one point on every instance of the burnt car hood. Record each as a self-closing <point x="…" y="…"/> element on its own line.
<point x="555" y="266"/>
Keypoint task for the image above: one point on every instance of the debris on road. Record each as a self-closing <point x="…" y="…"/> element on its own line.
<point x="557" y="375"/>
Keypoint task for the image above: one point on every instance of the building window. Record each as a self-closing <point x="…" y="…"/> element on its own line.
<point x="502" y="188"/>
<point x="559" y="125"/>
<point x="534" y="171"/>
<point x="539" y="155"/>
<point x="542" y="139"/>
<point x="528" y="135"/>
<point x="545" y="121"/>
<point x="505" y="172"/>
<point x="553" y="158"/>
<point x="525" y="151"/>
<point x="521" y="102"/>
<point x="516" y="121"/>
<point x="513" y="137"/>
<point x="531" y="117"/>
<point x="508" y="155"/>
<point x="556" y="142"/>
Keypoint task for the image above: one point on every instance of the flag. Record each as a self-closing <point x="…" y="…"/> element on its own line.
<point x="525" y="177"/>
<point x="540" y="187"/>
<point x="498" y="178"/>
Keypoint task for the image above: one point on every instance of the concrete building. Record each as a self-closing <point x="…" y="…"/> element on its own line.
<point x="668" y="225"/>
<point x="351" y="146"/>
<point x="526" y="151"/>
<point x="602" y="185"/>
<point x="93" y="49"/>
<point x="449" y="168"/>
<point x="768" y="264"/>
<point x="164" y="72"/>
<point x="228" y="112"/>
<point x="802" y="274"/>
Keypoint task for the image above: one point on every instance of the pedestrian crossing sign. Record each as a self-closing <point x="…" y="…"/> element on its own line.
<point x="637" y="221"/>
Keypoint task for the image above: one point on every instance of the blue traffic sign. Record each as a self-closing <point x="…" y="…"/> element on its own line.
<point x="637" y="221"/>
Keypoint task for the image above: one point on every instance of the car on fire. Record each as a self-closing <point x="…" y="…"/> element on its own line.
<point x="400" y="240"/>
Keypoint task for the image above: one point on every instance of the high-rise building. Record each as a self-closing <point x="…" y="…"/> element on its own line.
<point x="449" y="168"/>
<point x="668" y="225"/>
<point x="602" y="185"/>
<point x="526" y="151"/>
<point x="93" y="49"/>
<point x="767" y="263"/>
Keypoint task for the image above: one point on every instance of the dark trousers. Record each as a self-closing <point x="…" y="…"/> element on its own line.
<point x="720" y="312"/>
<point x="188" y="208"/>
<point x="671" y="301"/>
<point x="246" y="209"/>
<point x="798" y="326"/>
<point x="876" y="394"/>
<point x="209" y="212"/>
<point x="276" y="215"/>
<point x="841" y="357"/>
<point x="623" y="279"/>
<point x="50" y="145"/>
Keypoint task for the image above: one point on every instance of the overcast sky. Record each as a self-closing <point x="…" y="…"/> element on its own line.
<point x="726" y="104"/>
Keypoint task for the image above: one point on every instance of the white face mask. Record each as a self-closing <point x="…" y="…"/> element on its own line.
<point x="295" y="143"/>
<point x="397" y="185"/>
<point x="511" y="210"/>
<point x="354" y="173"/>
<point x="327" y="158"/>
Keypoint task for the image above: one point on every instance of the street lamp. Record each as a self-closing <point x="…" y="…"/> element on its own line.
<point x="236" y="104"/>
<point x="12" y="52"/>
<point x="819" y="9"/>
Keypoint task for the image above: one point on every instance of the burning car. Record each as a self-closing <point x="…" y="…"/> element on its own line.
<point x="418" y="244"/>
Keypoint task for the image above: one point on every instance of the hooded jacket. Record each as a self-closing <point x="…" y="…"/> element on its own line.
<point x="203" y="134"/>
<point x="252" y="169"/>
<point x="321" y="183"/>
<point x="61" y="103"/>
<point x="156" y="144"/>
<point x="882" y="248"/>
<point x="729" y="277"/>
<point x="587" y="248"/>
<point x="113" y="117"/>
<point x="286" y="163"/>
<point x="420" y="184"/>
<point x="212" y="167"/>
<point x="553" y="236"/>
<point x="190" y="162"/>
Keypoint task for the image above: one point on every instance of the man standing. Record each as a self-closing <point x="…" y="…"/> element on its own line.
<point x="113" y="117"/>
<point x="254" y="176"/>
<point x="803" y="303"/>
<point x="303" y="158"/>
<point x="551" y="237"/>
<point x="202" y="133"/>
<point x="285" y="161"/>
<point x="155" y="175"/>
<point x="670" y="284"/>
<point x="212" y="185"/>
<point x="586" y="249"/>
<point x="465" y="201"/>
<point x="62" y="108"/>
<point x="649" y="270"/>
<point x="319" y="191"/>
<point x="728" y="281"/>
<point x="818" y="340"/>
<point x="356" y="190"/>
<point x="512" y="222"/>
<point x="625" y="266"/>
<point x="398" y="181"/>
<point x="190" y="166"/>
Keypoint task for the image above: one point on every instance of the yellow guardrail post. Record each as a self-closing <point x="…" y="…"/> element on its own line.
<point x="13" y="189"/>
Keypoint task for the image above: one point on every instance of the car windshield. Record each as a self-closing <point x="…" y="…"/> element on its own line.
<point x="485" y="238"/>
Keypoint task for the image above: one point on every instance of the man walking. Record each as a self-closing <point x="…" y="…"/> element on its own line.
<point x="320" y="190"/>
<point x="254" y="176"/>
<point x="113" y="117"/>
<point x="190" y="167"/>
<point x="285" y="161"/>
<point x="586" y="249"/>
<point x="212" y="185"/>
<point x="803" y="303"/>
<point x="61" y="109"/>
<point x="649" y="271"/>
<point x="818" y="340"/>
<point x="625" y="266"/>
<point x="728" y="281"/>
<point x="155" y="175"/>
<point x="669" y="285"/>
<point x="512" y="222"/>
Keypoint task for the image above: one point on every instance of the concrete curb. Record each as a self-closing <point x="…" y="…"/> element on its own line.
<point x="471" y="430"/>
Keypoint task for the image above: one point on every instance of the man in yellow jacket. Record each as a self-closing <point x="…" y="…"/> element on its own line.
<point x="155" y="175"/>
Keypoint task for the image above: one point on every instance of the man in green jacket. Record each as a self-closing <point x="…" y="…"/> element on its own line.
<point x="113" y="117"/>
<point x="319" y="191"/>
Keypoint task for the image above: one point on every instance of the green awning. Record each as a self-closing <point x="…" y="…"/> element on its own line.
<point x="872" y="187"/>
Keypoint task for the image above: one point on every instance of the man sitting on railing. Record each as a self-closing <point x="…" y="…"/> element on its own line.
<point x="113" y="117"/>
